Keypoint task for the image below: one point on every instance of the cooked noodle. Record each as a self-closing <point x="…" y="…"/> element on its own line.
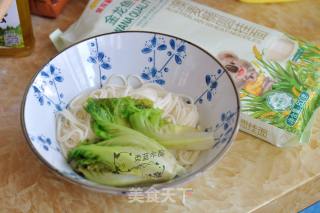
<point x="73" y="123"/>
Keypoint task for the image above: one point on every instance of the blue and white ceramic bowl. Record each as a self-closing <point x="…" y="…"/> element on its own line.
<point x="177" y="65"/>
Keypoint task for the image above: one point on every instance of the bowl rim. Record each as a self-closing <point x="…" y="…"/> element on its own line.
<point x="124" y="190"/>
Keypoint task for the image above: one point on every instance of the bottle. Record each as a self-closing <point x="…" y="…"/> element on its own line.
<point x="16" y="35"/>
<point x="47" y="8"/>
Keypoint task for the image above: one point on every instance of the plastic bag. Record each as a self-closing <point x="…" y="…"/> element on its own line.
<point x="275" y="74"/>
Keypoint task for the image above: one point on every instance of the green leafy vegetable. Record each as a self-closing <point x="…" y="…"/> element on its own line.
<point x="124" y="156"/>
<point x="131" y="144"/>
<point x="125" y="160"/>
<point x="115" y="110"/>
<point x="150" y="123"/>
<point x="141" y="116"/>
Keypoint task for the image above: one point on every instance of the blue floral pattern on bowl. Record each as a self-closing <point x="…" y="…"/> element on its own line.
<point x="100" y="58"/>
<point x="45" y="143"/>
<point x="212" y="81"/>
<point x="174" y="51"/>
<point x="49" y="78"/>
<point x="173" y="63"/>
<point x="223" y="129"/>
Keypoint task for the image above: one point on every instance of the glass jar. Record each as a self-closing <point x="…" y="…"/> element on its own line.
<point x="16" y="35"/>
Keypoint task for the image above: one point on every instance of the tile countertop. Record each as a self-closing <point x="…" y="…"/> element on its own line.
<point x="253" y="175"/>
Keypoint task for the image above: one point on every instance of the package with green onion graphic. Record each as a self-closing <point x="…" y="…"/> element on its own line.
<point x="284" y="109"/>
<point x="278" y="76"/>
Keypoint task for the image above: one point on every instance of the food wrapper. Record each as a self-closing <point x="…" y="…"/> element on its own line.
<point x="278" y="76"/>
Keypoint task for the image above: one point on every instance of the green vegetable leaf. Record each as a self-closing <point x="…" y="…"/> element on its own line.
<point x="136" y="158"/>
<point x="115" y="110"/>
<point x="141" y="116"/>
<point x="150" y="123"/>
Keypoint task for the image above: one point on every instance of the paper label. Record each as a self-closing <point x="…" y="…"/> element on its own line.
<point x="10" y="29"/>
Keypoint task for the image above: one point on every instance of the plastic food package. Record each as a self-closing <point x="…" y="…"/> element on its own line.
<point x="278" y="76"/>
<point x="48" y="8"/>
